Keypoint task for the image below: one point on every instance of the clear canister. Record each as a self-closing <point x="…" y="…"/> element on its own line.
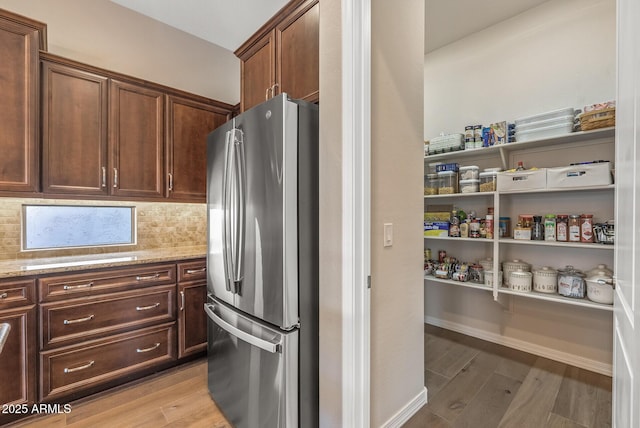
<point x="431" y="184"/>
<point x="488" y="181"/>
<point x="447" y="182"/>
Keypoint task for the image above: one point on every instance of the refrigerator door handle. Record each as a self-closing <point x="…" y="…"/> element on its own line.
<point x="246" y="337"/>
<point x="233" y="208"/>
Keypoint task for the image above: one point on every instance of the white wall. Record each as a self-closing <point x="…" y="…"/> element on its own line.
<point x="560" y="54"/>
<point x="107" y="35"/>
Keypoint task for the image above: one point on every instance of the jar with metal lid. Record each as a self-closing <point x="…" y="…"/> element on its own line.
<point x="447" y="182"/>
<point x="550" y="227"/>
<point x="511" y="266"/>
<point x="431" y="184"/>
<point x="537" y="230"/>
<point x="520" y="280"/>
<point x="545" y="280"/>
<point x="586" y="228"/>
<point x="562" y="227"/>
<point x="476" y="273"/>
<point x="574" y="228"/>
<point x="571" y="282"/>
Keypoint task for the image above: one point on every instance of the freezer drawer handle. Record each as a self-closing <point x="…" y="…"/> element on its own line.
<point x="234" y="331"/>
<point x="75" y="369"/>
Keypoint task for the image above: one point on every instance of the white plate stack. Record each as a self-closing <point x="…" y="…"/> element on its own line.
<point x="545" y="125"/>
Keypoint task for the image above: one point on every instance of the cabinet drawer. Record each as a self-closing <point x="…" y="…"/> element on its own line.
<point x="190" y="271"/>
<point x="16" y="293"/>
<point x="83" y="319"/>
<point x="76" y="368"/>
<point x="92" y="283"/>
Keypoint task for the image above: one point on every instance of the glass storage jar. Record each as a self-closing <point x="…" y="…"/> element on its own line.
<point x="571" y="283"/>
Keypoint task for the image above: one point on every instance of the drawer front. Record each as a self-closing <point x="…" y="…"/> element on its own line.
<point x="17" y="293"/>
<point x="83" y="319"/>
<point x="73" y="369"/>
<point x="92" y="283"/>
<point x="191" y="271"/>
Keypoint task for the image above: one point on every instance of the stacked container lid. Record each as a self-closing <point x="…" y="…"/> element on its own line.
<point x="545" y="125"/>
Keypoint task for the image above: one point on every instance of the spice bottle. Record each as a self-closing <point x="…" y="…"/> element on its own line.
<point x="537" y="230"/>
<point x="520" y="166"/>
<point x="562" y="226"/>
<point x="586" y="228"/>
<point x="550" y="227"/>
<point x="574" y="228"/>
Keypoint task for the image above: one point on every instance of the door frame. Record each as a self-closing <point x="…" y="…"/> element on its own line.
<point x="356" y="212"/>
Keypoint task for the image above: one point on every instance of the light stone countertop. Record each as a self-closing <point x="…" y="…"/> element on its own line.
<point x="44" y="266"/>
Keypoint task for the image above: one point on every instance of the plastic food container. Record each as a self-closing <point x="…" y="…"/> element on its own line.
<point x="560" y="120"/>
<point x="553" y="114"/>
<point x="512" y="266"/>
<point x="600" y="288"/>
<point x="571" y="283"/>
<point x="431" y="184"/>
<point x="544" y="132"/>
<point x="469" y="186"/>
<point x="447" y="182"/>
<point x="520" y="280"/>
<point x="545" y="280"/>
<point x="488" y="181"/>
<point x="469" y="172"/>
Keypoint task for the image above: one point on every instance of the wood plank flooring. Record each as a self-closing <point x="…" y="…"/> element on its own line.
<point x="177" y="397"/>
<point x="473" y="383"/>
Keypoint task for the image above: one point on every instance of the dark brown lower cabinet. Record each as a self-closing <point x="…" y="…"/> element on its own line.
<point x="192" y="320"/>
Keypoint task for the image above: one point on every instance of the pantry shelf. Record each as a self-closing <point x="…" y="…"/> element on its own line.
<point x="451" y="238"/>
<point x="459" y="195"/>
<point x="557" y="299"/>
<point x="458" y="283"/>
<point x="607" y="187"/>
<point x="582" y="245"/>
<point x="503" y="149"/>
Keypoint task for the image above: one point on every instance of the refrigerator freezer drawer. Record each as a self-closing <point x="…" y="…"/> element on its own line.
<point x="252" y="369"/>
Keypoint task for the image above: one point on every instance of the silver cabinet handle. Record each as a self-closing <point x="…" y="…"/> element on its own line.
<point x="234" y="331"/>
<point x="75" y="369"/>
<point x="192" y="271"/>
<point x="150" y="348"/>
<point x="146" y="308"/>
<point x="182" y="300"/>
<point x="85" y="319"/>
<point x="146" y="278"/>
<point x="104" y="176"/>
<point x="170" y="182"/>
<point x="4" y="295"/>
<point x="73" y="287"/>
<point x="115" y="177"/>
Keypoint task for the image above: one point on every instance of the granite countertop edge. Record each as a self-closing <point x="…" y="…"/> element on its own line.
<point x="51" y="265"/>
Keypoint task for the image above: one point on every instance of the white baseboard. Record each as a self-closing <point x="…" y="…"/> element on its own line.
<point x="410" y="409"/>
<point x="521" y="345"/>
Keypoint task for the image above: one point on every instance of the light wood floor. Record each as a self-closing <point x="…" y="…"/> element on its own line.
<point x="175" y="398"/>
<point x="473" y="383"/>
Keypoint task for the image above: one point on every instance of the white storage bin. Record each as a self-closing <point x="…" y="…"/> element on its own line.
<point x="553" y="114"/>
<point x="562" y="120"/>
<point x="522" y="180"/>
<point x="593" y="174"/>
<point x="544" y="132"/>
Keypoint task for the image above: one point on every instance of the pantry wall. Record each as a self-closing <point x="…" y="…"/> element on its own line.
<point x="559" y="54"/>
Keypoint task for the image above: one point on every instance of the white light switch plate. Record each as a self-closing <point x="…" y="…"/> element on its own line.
<point x="388" y="235"/>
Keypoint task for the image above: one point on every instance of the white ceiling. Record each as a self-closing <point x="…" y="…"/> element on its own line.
<point x="452" y="20"/>
<point x="228" y="23"/>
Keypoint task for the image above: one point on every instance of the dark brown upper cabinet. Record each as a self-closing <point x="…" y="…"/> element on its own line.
<point x="20" y="40"/>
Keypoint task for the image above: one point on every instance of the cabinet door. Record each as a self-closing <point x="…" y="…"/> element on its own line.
<point x="258" y="69"/>
<point x="17" y="360"/>
<point x="136" y="140"/>
<point x="188" y="124"/>
<point x="192" y="320"/>
<point x="18" y="107"/>
<point x="298" y="53"/>
<point x="74" y="114"/>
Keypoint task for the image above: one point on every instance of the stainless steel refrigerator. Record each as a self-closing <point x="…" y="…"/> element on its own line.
<point x="262" y="265"/>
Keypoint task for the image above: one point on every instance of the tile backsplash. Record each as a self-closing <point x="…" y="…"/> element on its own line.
<point x="160" y="225"/>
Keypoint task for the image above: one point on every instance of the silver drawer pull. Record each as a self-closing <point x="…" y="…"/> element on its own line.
<point x="67" y="322"/>
<point x="73" y="287"/>
<point x="192" y="271"/>
<point x="151" y="348"/>
<point x="146" y="278"/>
<point x="146" y="308"/>
<point x="4" y="295"/>
<point x="75" y="369"/>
